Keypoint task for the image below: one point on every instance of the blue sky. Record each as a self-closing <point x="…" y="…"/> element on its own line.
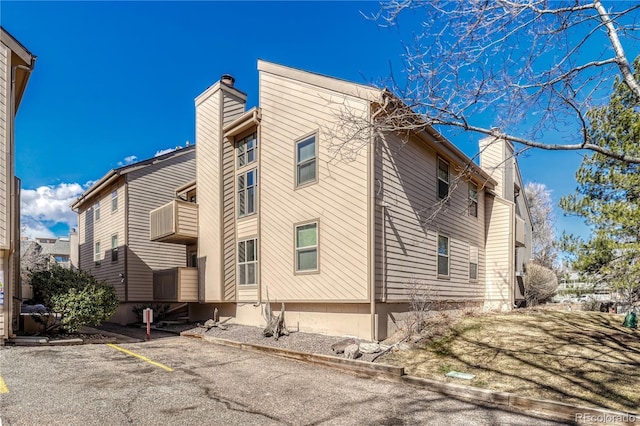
<point x="115" y="81"/>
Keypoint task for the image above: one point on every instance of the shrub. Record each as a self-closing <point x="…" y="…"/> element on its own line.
<point x="540" y="284"/>
<point x="75" y="295"/>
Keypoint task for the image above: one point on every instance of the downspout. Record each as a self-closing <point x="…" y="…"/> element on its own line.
<point x="372" y="222"/>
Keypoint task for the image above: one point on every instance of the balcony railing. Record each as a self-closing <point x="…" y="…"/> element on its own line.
<point x="175" y="222"/>
<point x="175" y="285"/>
<point x="520" y="232"/>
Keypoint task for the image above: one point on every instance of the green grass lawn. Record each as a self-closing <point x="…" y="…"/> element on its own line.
<point x="584" y="358"/>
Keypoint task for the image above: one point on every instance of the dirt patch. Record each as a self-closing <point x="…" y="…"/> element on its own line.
<point x="585" y="358"/>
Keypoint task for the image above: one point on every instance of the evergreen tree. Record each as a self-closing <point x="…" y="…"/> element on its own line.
<point x="608" y="195"/>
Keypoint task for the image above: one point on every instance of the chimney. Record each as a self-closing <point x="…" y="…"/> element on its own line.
<point x="228" y="79"/>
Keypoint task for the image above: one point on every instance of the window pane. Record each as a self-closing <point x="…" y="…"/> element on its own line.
<point x="306" y="235"/>
<point x="307" y="149"/>
<point x="242" y="271"/>
<point x="473" y="271"/>
<point x="241" y="205"/>
<point x="443" y="171"/>
<point x="306" y="172"/>
<point x="251" y="250"/>
<point x="307" y="260"/>
<point x="241" y="252"/>
<point x="443" y="189"/>
<point x="250" y="178"/>
<point x="250" y="156"/>
<point x="443" y="265"/>
<point x="251" y="273"/>
<point x="114" y="241"/>
<point x="241" y="147"/>
<point x="473" y="209"/>
<point x="250" y="200"/>
<point x="251" y="140"/>
<point x="241" y="182"/>
<point x="443" y="245"/>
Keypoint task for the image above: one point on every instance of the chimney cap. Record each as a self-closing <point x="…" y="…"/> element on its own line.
<point x="228" y="79"/>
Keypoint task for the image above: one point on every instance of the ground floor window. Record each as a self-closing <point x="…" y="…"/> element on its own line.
<point x="247" y="261"/>
<point x="443" y="255"/>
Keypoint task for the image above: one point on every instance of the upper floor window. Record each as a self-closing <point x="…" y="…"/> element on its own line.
<point x="247" y="150"/>
<point x="114" y="201"/>
<point x="473" y="263"/>
<point x="307" y="247"/>
<point x="247" y="183"/>
<point x="96" y="211"/>
<point x="443" y="178"/>
<point x="473" y="199"/>
<point x="247" y="262"/>
<point x="114" y="248"/>
<point x="443" y="255"/>
<point x="306" y="160"/>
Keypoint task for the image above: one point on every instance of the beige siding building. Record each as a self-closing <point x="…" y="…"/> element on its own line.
<point x="300" y="201"/>
<point x="16" y="64"/>
<point x="114" y="240"/>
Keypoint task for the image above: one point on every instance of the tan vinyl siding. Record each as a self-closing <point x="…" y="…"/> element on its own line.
<point x="92" y="231"/>
<point x="492" y="156"/>
<point x="4" y="309"/>
<point x="149" y="188"/>
<point x="406" y="182"/>
<point x="188" y="279"/>
<point x="499" y="254"/>
<point x="5" y="122"/>
<point x="338" y="201"/>
<point x="209" y="186"/>
<point x="233" y="108"/>
<point x="247" y="228"/>
<point x="247" y="293"/>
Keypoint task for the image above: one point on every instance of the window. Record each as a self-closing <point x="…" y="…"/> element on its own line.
<point x="96" y="211"/>
<point x="247" y="262"/>
<point x="114" y="201"/>
<point x="306" y="160"/>
<point x="247" y="150"/>
<point x="247" y="183"/>
<point x="473" y="199"/>
<point x="473" y="263"/>
<point x="443" y="255"/>
<point x="97" y="256"/>
<point x="443" y="179"/>
<point x="114" y="248"/>
<point x="307" y="247"/>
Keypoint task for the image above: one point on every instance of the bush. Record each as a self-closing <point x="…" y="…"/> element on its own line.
<point x="75" y="295"/>
<point x="540" y="284"/>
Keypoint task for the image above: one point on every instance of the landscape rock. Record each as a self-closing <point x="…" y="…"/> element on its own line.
<point x="340" y="346"/>
<point x="352" y="351"/>
<point x="369" y="348"/>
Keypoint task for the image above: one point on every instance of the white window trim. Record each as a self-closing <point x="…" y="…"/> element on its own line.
<point x="296" y="248"/>
<point x="97" y="253"/>
<point x="96" y="211"/>
<point x="243" y="264"/>
<point x="297" y="163"/>
<point x="245" y="153"/>
<point x="474" y="256"/>
<point x="114" y="237"/>
<point x="246" y="191"/>
<point x="114" y="201"/>
<point x="447" y="256"/>
<point x="441" y="160"/>
<point x="472" y="200"/>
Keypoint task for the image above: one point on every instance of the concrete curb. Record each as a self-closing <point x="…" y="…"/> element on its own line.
<point x="574" y="414"/>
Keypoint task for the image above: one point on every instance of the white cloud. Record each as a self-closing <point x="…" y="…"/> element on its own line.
<point x="46" y="206"/>
<point x="166" y="151"/>
<point x="127" y="160"/>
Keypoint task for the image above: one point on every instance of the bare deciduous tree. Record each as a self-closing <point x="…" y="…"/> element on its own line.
<point x="545" y="246"/>
<point x="535" y="66"/>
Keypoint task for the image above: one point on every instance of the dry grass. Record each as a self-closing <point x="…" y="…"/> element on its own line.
<point x="584" y="358"/>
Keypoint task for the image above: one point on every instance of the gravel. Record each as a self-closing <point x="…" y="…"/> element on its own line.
<point x="297" y="341"/>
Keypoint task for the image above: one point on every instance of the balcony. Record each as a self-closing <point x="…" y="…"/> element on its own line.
<point x="175" y="285"/>
<point x="175" y="222"/>
<point x="521" y="232"/>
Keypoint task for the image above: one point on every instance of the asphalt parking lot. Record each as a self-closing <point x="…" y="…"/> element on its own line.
<point x="178" y="381"/>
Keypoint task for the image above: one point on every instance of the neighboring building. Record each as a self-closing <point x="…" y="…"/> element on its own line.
<point x="41" y="253"/>
<point x="113" y="228"/>
<point x="298" y="201"/>
<point x="16" y="64"/>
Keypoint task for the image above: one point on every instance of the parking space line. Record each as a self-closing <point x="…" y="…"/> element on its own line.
<point x="3" y="386"/>
<point x="144" y="358"/>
